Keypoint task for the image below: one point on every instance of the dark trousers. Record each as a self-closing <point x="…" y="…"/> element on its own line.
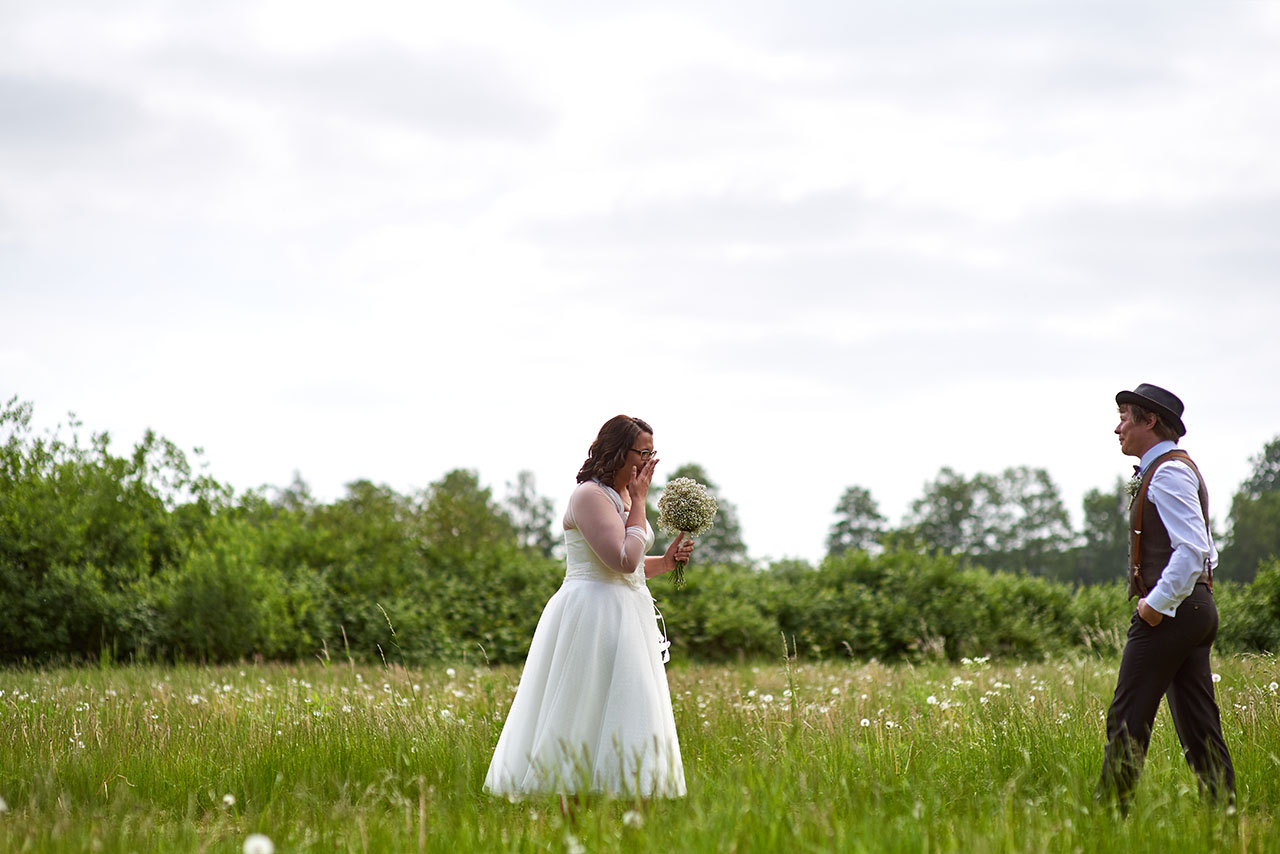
<point x="1168" y="660"/>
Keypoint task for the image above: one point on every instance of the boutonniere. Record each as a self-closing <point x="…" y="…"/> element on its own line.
<point x="1134" y="484"/>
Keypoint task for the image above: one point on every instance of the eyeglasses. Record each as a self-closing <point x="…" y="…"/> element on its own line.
<point x="645" y="454"/>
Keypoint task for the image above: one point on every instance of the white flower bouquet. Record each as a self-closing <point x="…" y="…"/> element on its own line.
<point x="685" y="507"/>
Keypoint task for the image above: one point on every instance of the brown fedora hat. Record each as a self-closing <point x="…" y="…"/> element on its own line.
<point x="1160" y="401"/>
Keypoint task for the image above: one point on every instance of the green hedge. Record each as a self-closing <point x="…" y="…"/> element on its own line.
<point x="139" y="557"/>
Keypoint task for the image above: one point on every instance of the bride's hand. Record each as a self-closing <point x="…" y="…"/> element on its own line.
<point x="638" y="484"/>
<point x="680" y="550"/>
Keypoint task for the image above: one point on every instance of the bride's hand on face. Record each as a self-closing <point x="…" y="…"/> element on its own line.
<point x="638" y="485"/>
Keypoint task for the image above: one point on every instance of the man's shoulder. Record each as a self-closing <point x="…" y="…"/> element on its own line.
<point x="1174" y="473"/>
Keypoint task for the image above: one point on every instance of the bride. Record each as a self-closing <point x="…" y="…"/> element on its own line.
<point x="593" y="711"/>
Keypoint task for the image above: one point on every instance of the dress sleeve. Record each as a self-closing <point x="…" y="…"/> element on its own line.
<point x="592" y="512"/>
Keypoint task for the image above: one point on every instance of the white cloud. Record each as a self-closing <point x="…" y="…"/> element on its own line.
<point x="815" y="245"/>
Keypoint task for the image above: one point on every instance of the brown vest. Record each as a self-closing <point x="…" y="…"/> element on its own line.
<point x="1149" y="545"/>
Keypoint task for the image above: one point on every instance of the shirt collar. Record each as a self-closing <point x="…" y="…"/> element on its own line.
<point x="1156" y="450"/>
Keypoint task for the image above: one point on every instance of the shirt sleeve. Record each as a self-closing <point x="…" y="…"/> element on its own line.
<point x="1175" y="491"/>
<point x="592" y="512"/>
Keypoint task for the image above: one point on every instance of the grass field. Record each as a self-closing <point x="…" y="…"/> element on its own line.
<point x="779" y="756"/>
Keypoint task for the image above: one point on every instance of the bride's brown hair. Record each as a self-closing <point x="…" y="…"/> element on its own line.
<point x="609" y="451"/>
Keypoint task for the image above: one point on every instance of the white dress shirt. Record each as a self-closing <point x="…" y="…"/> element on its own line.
<point x="1175" y="492"/>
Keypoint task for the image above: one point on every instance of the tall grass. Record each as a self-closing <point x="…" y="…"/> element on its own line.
<point x="779" y="756"/>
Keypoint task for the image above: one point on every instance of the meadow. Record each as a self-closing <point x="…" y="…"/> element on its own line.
<point x="780" y="755"/>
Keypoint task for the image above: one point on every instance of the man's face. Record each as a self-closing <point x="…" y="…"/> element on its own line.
<point x="1136" y="437"/>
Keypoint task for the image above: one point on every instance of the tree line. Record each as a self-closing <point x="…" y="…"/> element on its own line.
<point x="1016" y="521"/>
<point x="143" y="555"/>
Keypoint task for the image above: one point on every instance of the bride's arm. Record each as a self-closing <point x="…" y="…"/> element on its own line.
<point x="619" y="547"/>
<point x="680" y="549"/>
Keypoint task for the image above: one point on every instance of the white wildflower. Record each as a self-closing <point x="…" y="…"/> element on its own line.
<point x="228" y="800"/>
<point x="572" y="845"/>
<point x="450" y="672"/>
<point x="258" y="843"/>
<point x="932" y="700"/>
<point x="632" y="818"/>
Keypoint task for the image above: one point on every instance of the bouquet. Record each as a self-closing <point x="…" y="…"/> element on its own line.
<point x="686" y="507"/>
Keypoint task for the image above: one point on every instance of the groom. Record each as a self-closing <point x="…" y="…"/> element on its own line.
<point x="1171" y="561"/>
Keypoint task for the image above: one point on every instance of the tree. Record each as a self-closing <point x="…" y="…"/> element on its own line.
<point x="1104" y="553"/>
<point x="1266" y="471"/>
<point x="531" y="514"/>
<point x="1254" y="518"/>
<point x="460" y="518"/>
<point x="950" y="515"/>
<point x="1032" y="530"/>
<point x="723" y="543"/>
<point x="1014" y="521"/>
<point x="859" y="523"/>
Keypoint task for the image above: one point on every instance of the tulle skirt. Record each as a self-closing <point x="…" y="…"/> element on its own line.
<point x="592" y="712"/>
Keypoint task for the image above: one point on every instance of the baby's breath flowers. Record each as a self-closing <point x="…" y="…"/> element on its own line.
<point x="1134" y="484"/>
<point x="686" y="507"/>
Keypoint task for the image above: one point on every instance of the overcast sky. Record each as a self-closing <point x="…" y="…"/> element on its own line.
<point x="815" y="244"/>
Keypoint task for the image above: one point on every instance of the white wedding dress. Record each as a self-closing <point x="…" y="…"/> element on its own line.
<point x="593" y="712"/>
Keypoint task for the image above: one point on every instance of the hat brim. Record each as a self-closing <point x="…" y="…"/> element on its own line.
<point x="1172" y="418"/>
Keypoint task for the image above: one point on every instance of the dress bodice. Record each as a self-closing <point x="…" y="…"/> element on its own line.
<point x="583" y="563"/>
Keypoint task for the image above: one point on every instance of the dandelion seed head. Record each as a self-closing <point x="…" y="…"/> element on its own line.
<point x="1273" y="687"/>
<point x="258" y="843"/>
<point x="450" y="672"/>
<point x="932" y="700"/>
<point x="632" y="818"/>
<point x="228" y="800"/>
<point x="1217" y="677"/>
<point x="572" y="845"/>
<point x="866" y="722"/>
